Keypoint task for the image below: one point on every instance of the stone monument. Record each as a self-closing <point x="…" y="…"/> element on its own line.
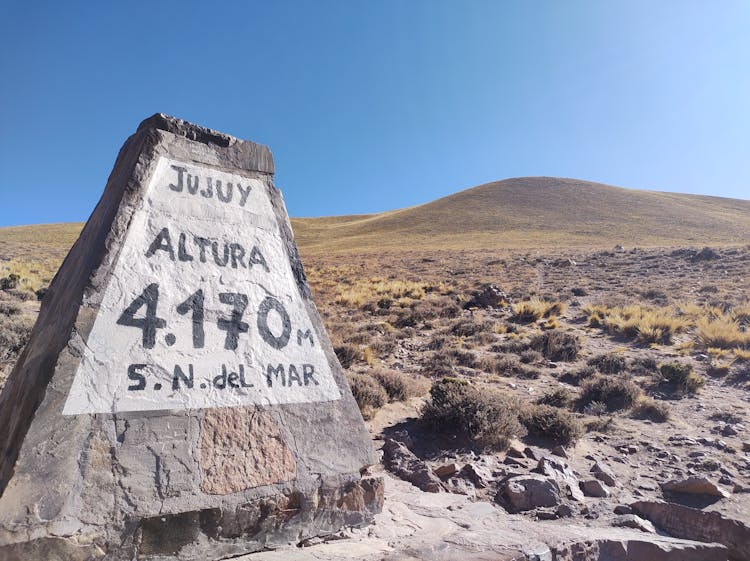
<point x="179" y="397"/>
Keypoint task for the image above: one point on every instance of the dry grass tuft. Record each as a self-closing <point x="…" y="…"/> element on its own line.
<point x="536" y="309"/>
<point x="722" y="332"/>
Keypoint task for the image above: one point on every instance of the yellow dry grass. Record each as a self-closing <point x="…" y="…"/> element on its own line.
<point x="528" y="212"/>
<point x="536" y="212"/>
<point x="535" y="309"/>
<point x="723" y="332"/>
<point x="642" y="323"/>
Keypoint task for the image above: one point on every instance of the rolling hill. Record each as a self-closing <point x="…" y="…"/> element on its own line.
<point x="537" y="212"/>
<point x="528" y="212"/>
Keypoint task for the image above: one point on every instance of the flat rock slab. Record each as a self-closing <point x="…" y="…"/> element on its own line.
<point x="179" y="397"/>
<point x="419" y="526"/>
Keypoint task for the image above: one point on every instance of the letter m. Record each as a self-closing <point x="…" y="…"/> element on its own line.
<point x="275" y="373"/>
<point x="306" y="335"/>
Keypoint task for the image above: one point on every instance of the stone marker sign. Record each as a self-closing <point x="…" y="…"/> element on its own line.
<point x="179" y="397"/>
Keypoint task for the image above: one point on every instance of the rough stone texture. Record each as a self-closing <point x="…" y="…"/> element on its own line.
<point x="120" y="485"/>
<point x="685" y="522"/>
<point x="695" y="486"/>
<point x="242" y="448"/>
<point x="403" y="463"/>
<point x="594" y="488"/>
<point x="446" y="470"/>
<point x="527" y="492"/>
<point x="561" y="472"/>
<point x="602" y="472"/>
<point x="418" y="526"/>
<point x="490" y="296"/>
<point x="634" y="521"/>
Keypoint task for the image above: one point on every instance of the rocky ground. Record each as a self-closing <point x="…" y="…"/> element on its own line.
<point x="630" y="474"/>
<point x="687" y="476"/>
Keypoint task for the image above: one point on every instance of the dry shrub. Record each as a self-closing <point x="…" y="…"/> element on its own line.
<point x="653" y="410"/>
<point x="348" y="354"/>
<point x="14" y="334"/>
<point x="615" y="393"/>
<point x="608" y="363"/>
<point x="681" y="377"/>
<point x="530" y="356"/>
<point x="741" y="314"/>
<point x="577" y="377"/>
<point x="400" y="386"/>
<point x="560" y="397"/>
<point x="9" y="308"/>
<point x="557" y="345"/>
<point x="551" y="423"/>
<point x="439" y="363"/>
<point x="536" y="309"/>
<point x="469" y="327"/>
<point x="485" y="417"/>
<point x="367" y="392"/>
<point x="507" y="365"/>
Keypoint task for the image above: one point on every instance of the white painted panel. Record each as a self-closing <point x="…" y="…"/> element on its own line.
<point x="228" y="246"/>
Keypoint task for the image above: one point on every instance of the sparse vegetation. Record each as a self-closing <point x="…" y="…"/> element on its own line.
<point x="615" y="393"/>
<point x="484" y="417"/>
<point x="647" y="408"/>
<point x="557" y="345"/>
<point x="367" y="392"/>
<point x="348" y="354"/>
<point x="393" y="315"/>
<point x="400" y="386"/>
<point x="560" y="397"/>
<point x="643" y="324"/>
<point x="608" y="363"/>
<point x="681" y="377"/>
<point x="536" y="309"/>
<point x="723" y="332"/>
<point x="551" y="423"/>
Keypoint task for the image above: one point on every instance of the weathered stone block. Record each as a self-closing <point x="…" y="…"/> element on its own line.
<point x="179" y="396"/>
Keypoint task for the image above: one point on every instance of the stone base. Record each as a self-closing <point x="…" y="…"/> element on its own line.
<point x="214" y="534"/>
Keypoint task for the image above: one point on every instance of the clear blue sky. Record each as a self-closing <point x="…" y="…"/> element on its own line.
<point x="374" y="105"/>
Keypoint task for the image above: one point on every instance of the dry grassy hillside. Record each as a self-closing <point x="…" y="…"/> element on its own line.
<point x="537" y="212"/>
<point x="522" y="213"/>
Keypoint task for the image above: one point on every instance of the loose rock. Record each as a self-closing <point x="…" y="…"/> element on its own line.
<point x="527" y="492"/>
<point x="695" y="486"/>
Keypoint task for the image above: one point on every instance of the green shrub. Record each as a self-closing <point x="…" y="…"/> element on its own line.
<point x="681" y="377"/>
<point x="367" y="392"/>
<point x="551" y="423"/>
<point x="485" y="417"/>
<point x="557" y="345"/>
<point x="614" y="393"/>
